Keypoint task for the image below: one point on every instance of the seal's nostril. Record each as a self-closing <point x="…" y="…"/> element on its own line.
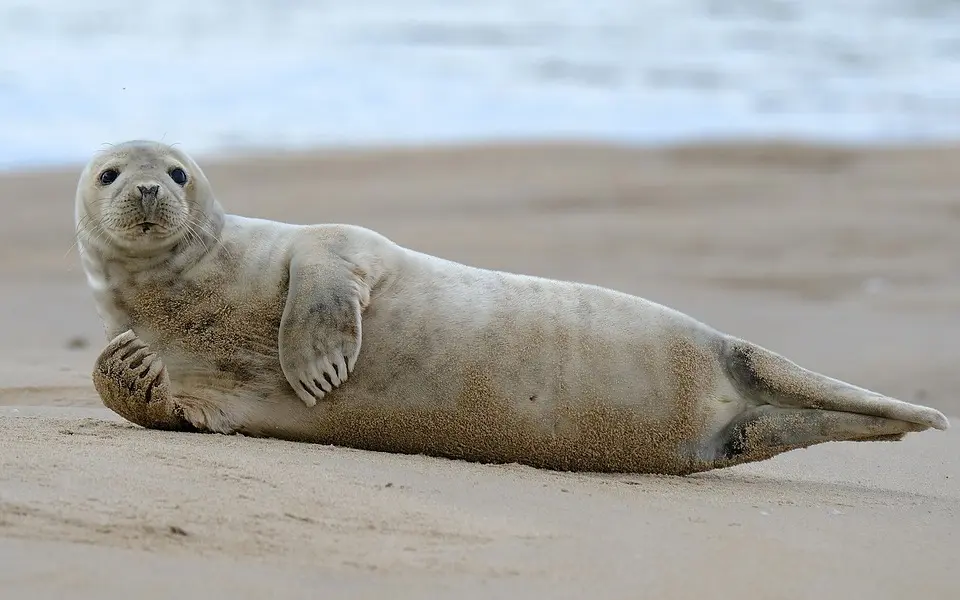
<point x="146" y="192"/>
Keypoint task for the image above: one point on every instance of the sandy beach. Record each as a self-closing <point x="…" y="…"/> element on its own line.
<point x="845" y="260"/>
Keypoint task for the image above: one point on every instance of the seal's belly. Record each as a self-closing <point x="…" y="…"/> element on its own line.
<point x="561" y="376"/>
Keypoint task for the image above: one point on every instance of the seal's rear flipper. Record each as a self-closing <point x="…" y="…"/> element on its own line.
<point x="765" y="431"/>
<point x="764" y="377"/>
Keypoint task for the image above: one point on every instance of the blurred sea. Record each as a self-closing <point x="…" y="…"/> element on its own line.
<point x="222" y="74"/>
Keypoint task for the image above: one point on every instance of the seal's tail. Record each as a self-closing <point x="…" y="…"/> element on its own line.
<point x="768" y="378"/>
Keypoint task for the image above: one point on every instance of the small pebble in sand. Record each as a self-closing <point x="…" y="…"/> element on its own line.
<point x="77" y="343"/>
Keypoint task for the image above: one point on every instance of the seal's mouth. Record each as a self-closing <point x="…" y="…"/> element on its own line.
<point x="147" y="227"/>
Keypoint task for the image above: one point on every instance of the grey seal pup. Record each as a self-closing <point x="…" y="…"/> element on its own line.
<point x="334" y="334"/>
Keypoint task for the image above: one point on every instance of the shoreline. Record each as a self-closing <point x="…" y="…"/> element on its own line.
<point x="233" y="153"/>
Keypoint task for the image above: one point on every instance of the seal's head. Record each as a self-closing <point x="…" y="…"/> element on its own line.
<point x="142" y="197"/>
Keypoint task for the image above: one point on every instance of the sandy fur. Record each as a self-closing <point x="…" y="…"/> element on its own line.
<point x="454" y="360"/>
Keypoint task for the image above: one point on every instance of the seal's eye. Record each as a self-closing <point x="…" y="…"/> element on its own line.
<point x="108" y="176"/>
<point x="178" y="176"/>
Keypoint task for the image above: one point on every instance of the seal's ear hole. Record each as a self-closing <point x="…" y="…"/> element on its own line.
<point x="108" y="176"/>
<point x="178" y="176"/>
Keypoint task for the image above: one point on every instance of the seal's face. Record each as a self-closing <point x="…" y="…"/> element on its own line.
<point x="141" y="196"/>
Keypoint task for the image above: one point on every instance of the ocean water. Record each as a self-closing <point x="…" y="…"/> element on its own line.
<point x="222" y="74"/>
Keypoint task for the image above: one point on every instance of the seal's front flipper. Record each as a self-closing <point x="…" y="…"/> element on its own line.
<point x="132" y="382"/>
<point x="320" y="331"/>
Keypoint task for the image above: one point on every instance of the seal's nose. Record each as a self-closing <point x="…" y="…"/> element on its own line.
<point x="148" y="199"/>
<point x="148" y="192"/>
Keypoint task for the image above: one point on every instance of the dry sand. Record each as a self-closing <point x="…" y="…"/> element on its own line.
<point x="847" y="261"/>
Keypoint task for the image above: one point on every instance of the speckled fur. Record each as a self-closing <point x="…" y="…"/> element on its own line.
<point x="453" y="360"/>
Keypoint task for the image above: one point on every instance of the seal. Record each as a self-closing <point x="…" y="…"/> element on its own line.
<point x="335" y="334"/>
